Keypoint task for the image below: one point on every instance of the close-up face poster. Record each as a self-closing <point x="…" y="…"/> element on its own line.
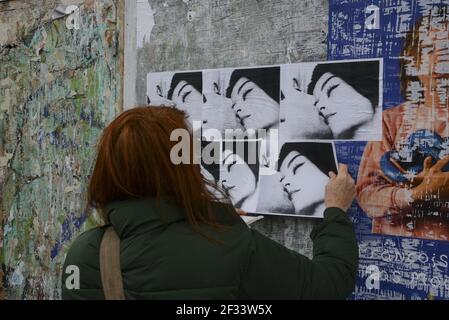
<point x="301" y="107"/>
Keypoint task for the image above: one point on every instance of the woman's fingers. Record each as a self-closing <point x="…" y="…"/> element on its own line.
<point x="240" y="212"/>
<point x="332" y="174"/>
<point x="342" y="169"/>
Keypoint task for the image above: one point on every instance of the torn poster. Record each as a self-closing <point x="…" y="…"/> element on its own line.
<point x="401" y="214"/>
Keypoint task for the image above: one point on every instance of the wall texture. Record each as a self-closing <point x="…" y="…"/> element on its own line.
<point x="201" y="34"/>
<point x="58" y="88"/>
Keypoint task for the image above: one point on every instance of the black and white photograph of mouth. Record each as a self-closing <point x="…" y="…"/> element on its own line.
<point x="298" y="187"/>
<point x="254" y="95"/>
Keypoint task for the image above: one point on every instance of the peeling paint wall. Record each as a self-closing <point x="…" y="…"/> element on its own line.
<point x="59" y="87"/>
<point x="201" y="34"/>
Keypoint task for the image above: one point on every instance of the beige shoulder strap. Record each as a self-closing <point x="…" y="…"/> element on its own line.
<point x="111" y="273"/>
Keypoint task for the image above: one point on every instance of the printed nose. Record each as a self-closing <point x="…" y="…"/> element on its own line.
<point x="282" y="95"/>
<point x="225" y="187"/>
<point x="204" y="98"/>
<point x="320" y="107"/>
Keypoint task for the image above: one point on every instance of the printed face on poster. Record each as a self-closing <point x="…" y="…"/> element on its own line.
<point x="304" y="107"/>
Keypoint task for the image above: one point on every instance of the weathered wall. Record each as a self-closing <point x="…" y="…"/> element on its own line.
<point x="201" y="34"/>
<point x="58" y="88"/>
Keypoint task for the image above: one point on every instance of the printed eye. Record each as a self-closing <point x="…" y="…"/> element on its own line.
<point x="246" y="93"/>
<point x="217" y="89"/>
<point x="297" y="167"/>
<point x="159" y="91"/>
<point x="230" y="165"/>
<point x="184" y="96"/>
<point x="296" y="84"/>
<point x="332" y="88"/>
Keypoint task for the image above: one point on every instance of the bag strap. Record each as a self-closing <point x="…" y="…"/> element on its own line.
<point x="111" y="273"/>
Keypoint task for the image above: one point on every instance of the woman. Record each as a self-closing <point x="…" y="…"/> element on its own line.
<point x="217" y="113"/>
<point x="179" y="241"/>
<point x="183" y="91"/>
<point x="255" y="97"/>
<point x="239" y="178"/>
<point x="272" y="197"/>
<point x="347" y="97"/>
<point x="186" y="92"/>
<point x="411" y="198"/>
<point x="158" y="84"/>
<point x="299" y="118"/>
<point x="304" y="167"/>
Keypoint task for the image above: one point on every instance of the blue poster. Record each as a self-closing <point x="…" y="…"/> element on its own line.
<point x="402" y="208"/>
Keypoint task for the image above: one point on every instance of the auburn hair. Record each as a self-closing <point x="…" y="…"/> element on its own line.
<point x="133" y="161"/>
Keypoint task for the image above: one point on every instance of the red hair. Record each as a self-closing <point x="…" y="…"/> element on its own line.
<point x="133" y="162"/>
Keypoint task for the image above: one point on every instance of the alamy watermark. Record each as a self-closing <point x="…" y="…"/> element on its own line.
<point x="235" y="140"/>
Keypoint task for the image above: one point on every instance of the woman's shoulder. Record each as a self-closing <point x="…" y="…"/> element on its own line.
<point x="86" y="245"/>
<point x="82" y="262"/>
<point x="226" y="214"/>
<point x="90" y="237"/>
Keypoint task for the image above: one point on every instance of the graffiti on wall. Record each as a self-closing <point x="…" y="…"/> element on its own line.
<point x="59" y="86"/>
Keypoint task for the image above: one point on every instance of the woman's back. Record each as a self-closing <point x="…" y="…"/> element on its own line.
<point x="178" y="237"/>
<point x="162" y="257"/>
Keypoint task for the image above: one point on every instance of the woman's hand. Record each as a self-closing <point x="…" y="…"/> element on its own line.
<point x="340" y="190"/>
<point x="240" y="212"/>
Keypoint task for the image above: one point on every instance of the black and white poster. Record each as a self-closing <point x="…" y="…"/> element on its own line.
<point x="217" y="111"/>
<point x="239" y="173"/>
<point x="297" y="187"/>
<point x="294" y="188"/>
<point x="254" y="94"/>
<point x="273" y="127"/>
<point x="331" y="100"/>
<point x="182" y="90"/>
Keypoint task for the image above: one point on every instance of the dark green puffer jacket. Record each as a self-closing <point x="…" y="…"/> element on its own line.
<point x="163" y="258"/>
